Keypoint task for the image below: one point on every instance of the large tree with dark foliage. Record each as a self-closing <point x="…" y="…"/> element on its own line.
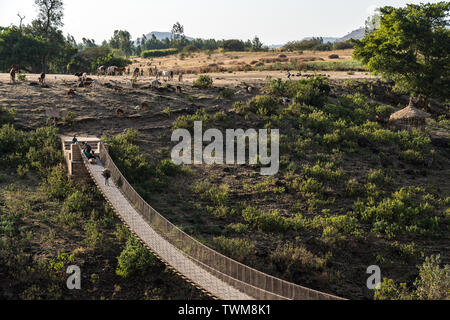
<point x="411" y="46"/>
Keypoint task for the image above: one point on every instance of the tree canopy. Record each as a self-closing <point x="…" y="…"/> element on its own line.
<point x="411" y="46"/>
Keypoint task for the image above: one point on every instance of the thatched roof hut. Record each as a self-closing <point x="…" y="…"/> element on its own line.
<point x="409" y="117"/>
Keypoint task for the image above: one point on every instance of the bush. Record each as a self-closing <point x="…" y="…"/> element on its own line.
<point x="233" y="45"/>
<point x="313" y="91"/>
<point x="158" y="53"/>
<point x="167" y="168"/>
<point x="265" y="222"/>
<point x="241" y="250"/>
<point x="77" y="202"/>
<point x="187" y="122"/>
<point x="128" y="157"/>
<point x="293" y="260"/>
<point x="203" y="82"/>
<point x="57" y="186"/>
<point x="216" y="195"/>
<point x="226" y="94"/>
<point x="135" y="260"/>
<point x="342" y="45"/>
<point x="408" y="211"/>
<point x="109" y="60"/>
<point x="433" y="283"/>
<point x="263" y="105"/>
<point x="6" y="115"/>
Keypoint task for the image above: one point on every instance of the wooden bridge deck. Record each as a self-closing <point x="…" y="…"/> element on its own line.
<point x="160" y="246"/>
<point x="213" y="273"/>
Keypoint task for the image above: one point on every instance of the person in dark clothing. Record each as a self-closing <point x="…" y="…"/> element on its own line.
<point x="75" y="140"/>
<point x="88" y="148"/>
<point x="107" y="174"/>
<point x="87" y="154"/>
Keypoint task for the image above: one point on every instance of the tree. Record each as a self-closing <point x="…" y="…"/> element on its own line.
<point x="51" y="13"/>
<point x="49" y="19"/>
<point x="122" y="40"/>
<point x="233" y="45"/>
<point x="256" y="44"/>
<point x="18" y="47"/>
<point x="372" y="23"/>
<point x="21" y="20"/>
<point x="412" y="48"/>
<point x="177" y="31"/>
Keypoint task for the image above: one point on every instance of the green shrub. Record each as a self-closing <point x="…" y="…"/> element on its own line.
<point x="293" y="260"/>
<point x="265" y="222"/>
<point x="408" y="211"/>
<point x="433" y="283"/>
<point x="203" y="82"/>
<point x="323" y="171"/>
<point x="167" y="168"/>
<point x="241" y="250"/>
<point x="309" y="186"/>
<point x="135" y="260"/>
<point x="353" y="188"/>
<point x="384" y="111"/>
<point x="133" y="164"/>
<point x="95" y="238"/>
<point x="158" y="53"/>
<point x="217" y="195"/>
<point x="226" y="94"/>
<point x="6" y="115"/>
<point x="56" y="185"/>
<point x="263" y="105"/>
<point x="187" y="122"/>
<point x="313" y="91"/>
<point x="337" y="228"/>
<point x="77" y="202"/>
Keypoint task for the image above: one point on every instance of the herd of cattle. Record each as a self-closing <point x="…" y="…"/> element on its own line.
<point x="166" y="75"/>
<point x="113" y="71"/>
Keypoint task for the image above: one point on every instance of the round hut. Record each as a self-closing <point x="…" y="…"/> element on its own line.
<point x="409" y="118"/>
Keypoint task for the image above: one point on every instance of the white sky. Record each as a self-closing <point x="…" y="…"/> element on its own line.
<point x="274" y="21"/>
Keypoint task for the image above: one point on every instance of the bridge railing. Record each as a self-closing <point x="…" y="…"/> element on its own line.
<point x="252" y="282"/>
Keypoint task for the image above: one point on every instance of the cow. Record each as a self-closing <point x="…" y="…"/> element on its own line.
<point x="121" y="71"/>
<point x="101" y="71"/>
<point x="111" y="71"/>
<point x="165" y="74"/>
<point x="42" y="78"/>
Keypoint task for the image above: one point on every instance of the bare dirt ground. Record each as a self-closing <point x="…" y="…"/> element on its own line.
<point x="95" y="107"/>
<point x="231" y="59"/>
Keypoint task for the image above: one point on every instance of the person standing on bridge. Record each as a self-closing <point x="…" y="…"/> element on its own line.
<point x="107" y="174"/>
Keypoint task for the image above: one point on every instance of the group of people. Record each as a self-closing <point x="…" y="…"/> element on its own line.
<point x="90" y="155"/>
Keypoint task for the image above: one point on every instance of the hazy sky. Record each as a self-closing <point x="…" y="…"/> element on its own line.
<point x="274" y="21"/>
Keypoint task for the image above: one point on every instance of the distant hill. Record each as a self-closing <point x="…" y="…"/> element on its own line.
<point x="162" y="35"/>
<point x="325" y="39"/>
<point x="357" y="34"/>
